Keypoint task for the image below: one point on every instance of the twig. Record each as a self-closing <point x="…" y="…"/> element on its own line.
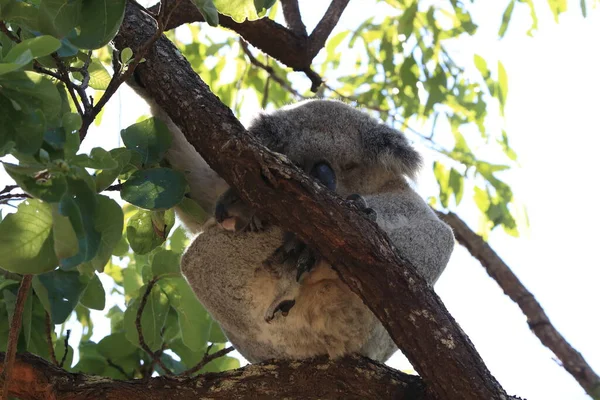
<point x="49" y="339"/>
<point x="115" y="187"/>
<point x="293" y="18"/>
<point x="138" y="324"/>
<point x="206" y="359"/>
<point x="269" y="70"/>
<point x="64" y="357"/>
<point x="537" y="319"/>
<point x="321" y="32"/>
<point x="13" y="334"/>
<point x="4" y="29"/>
<point x="8" y="188"/>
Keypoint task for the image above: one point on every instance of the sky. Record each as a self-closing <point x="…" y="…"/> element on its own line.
<point x="552" y="119"/>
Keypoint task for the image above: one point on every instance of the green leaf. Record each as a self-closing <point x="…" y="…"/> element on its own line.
<point x="506" y="18"/>
<point x="455" y="182"/>
<point x="502" y="85"/>
<point x="193" y="209"/>
<point x="99" y="22"/>
<point x="141" y="234"/>
<point x="155" y="189"/>
<point x="24" y="52"/>
<point x="59" y="351"/>
<point x="126" y="55"/>
<point x="94" y="297"/>
<point x="98" y="159"/>
<point x="108" y="221"/>
<point x="165" y="263"/>
<point x="150" y="138"/>
<point x="79" y="204"/>
<point x="59" y="291"/>
<point x="29" y="131"/>
<point x="26" y="243"/>
<point x="99" y="76"/>
<point x="65" y="239"/>
<point x="48" y="187"/>
<point x="194" y="321"/>
<point x="208" y="11"/>
<point x="107" y="176"/>
<point x="90" y="360"/>
<point x="116" y="346"/>
<point x="442" y="176"/>
<point x="32" y="91"/>
<point x="153" y="318"/>
<point x="20" y="13"/>
<point x="179" y="240"/>
<point x="58" y="17"/>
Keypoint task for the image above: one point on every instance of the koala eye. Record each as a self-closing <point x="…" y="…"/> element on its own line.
<point x="325" y="174"/>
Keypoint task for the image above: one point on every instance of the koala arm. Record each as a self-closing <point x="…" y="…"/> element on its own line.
<point x="415" y="230"/>
<point x="205" y="185"/>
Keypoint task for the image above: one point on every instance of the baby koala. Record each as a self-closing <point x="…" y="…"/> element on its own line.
<point x="274" y="296"/>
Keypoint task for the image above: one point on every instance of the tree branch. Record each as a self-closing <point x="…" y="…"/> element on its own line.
<point x="206" y="359"/>
<point x="293" y="18"/>
<point x="388" y="284"/>
<point x="321" y="32"/>
<point x="352" y="378"/>
<point x="13" y="334"/>
<point x="537" y="319"/>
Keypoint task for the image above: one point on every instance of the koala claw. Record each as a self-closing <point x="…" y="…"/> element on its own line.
<point x="296" y="251"/>
<point x="362" y="206"/>
<point x="285" y="306"/>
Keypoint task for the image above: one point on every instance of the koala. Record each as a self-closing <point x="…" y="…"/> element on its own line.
<point x="273" y="296"/>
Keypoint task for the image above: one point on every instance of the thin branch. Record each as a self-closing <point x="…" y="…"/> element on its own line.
<point x="49" y="339"/>
<point x="293" y="18"/>
<point x="4" y="29"/>
<point x="269" y="70"/>
<point x="64" y="357"/>
<point x="321" y="32"/>
<point x="154" y="355"/>
<point x="13" y="335"/>
<point x="537" y="319"/>
<point x="8" y="188"/>
<point x="206" y="359"/>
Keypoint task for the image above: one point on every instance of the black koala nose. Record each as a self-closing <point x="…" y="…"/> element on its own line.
<point x="221" y="212"/>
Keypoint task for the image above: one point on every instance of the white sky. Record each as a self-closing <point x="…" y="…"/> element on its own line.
<point x="552" y="123"/>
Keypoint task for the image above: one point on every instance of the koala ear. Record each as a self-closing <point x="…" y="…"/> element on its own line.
<point x="391" y="148"/>
<point x="264" y="128"/>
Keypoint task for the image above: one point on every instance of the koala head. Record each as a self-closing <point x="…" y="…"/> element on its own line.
<point x="364" y="153"/>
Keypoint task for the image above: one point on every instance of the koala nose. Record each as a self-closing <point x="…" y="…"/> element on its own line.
<point x="221" y="213"/>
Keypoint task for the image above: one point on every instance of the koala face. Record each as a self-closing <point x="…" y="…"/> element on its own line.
<point x="363" y="152"/>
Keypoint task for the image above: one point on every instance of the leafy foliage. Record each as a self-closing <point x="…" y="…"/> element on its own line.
<point x="86" y="246"/>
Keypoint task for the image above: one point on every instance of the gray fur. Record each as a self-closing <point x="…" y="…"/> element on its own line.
<point x="227" y="269"/>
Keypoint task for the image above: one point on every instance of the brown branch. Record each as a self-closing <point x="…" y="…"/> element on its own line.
<point x="64" y="357"/>
<point x="388" y="284"/>
<point x="352" y="378"/>
<point x="118" y="368"/>
<point x="321" y="32"/>
<point x="4" y="29"/>
<point x="206" y="359"/>
<point x="537" y="319"/>
<point x="49" y="339"/>
<point x="8" y="188"/>
<point x="154" y="355"/>
<point x="13" y="334"/>
<point x="293" y="18"/>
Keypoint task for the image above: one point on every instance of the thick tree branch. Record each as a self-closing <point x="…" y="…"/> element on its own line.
<point x="537" y="319"/>
<point x="348" y="378"/>
<point x="293" y="18"/>
<point x="362" y="253"/>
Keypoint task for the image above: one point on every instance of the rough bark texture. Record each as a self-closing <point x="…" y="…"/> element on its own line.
<point x="413" y="314"/>
<point x="348" y="378"/>
<point x="537" y="319"/>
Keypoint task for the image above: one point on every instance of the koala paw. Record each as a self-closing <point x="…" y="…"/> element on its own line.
<point x="295" y="251"/>
<point x="362" y="206"/>
<point x="235" y="215"/>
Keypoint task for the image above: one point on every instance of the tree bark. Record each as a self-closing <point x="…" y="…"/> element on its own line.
<point x="409" y="309"/>
<point x="347" y="378"/>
